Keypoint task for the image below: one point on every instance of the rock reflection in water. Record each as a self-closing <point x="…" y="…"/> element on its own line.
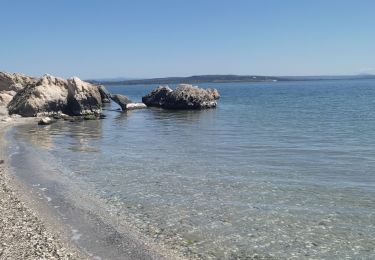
<point x="80" y="136"/>
<point x="83" y="134"/>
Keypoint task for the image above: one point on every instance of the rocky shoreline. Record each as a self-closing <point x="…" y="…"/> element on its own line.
<point x="49" y="95"/>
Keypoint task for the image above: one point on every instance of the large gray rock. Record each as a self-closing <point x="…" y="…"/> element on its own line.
<point x="105" y="94"/>
<point x="10" y="84"/>
<point x="50" y="95"/>
<point x="83" y="98"/>
<point x="47" y="94"/>
<point x="183" y="97"/>
<point x="157" y="97"/>
<point x="121" y="100"/>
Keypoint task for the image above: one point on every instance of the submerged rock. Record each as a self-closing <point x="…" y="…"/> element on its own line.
<point x="90" y="117"/>
<point x="183" y="97"/>
<point x="131" y="106"/>
<point x="53" y="95"/>
<point x="57" y="115"/>
<point x="46" y="121"/>
<point x="102" y="116"/>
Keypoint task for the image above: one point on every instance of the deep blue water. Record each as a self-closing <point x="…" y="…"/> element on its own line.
<point x="278" y="169"/>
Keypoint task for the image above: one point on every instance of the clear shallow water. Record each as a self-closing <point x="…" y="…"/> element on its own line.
<point x="278" y="170"/>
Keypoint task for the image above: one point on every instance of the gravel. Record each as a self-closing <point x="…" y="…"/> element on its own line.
<point x="23" y="235"/>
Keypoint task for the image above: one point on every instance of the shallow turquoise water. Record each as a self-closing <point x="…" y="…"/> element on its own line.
<point x="281" y="169"/>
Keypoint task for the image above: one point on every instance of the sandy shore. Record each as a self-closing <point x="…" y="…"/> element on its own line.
<point x="23" y="232"/>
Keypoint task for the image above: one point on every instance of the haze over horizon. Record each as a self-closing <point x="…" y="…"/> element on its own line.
<point x="143" y="39"/>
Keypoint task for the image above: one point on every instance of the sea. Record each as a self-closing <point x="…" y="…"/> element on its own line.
<point x="279" y="170"/>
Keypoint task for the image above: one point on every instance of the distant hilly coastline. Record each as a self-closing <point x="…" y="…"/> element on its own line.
<point x="190" y="80"/>
<point x="221" y="79"/>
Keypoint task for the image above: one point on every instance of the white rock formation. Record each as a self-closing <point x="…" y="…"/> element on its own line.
<point x="53" y="95"/>
<point x="10" y="84"/>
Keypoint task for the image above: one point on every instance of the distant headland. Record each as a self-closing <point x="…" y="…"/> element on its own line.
<point x="222" y="79"/>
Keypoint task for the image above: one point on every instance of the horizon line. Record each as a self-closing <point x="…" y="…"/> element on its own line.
<point x="124" y="78"/>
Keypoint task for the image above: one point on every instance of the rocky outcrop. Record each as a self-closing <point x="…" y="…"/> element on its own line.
<point x="190" y="97"/>
<point x="10" y="84"/>
<point x="54" y="95"/>
<point x="83" y="98"/>
<point x="14" y="81"/>
<point x="47" y="94"/>
<point x="157" y="97"/>
<point x="105" y="94"/>
<point x="183" y="97"/>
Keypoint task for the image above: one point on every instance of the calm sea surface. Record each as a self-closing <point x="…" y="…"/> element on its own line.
<point x="277" y="170"/>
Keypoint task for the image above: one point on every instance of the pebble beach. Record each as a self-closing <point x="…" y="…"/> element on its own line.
<point x="23" y="233"/>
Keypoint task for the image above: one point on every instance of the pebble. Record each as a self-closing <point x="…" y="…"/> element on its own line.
<point x="23" y="235"/>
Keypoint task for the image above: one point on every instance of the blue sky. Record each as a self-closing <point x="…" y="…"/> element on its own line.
<point x="157" y="38"/>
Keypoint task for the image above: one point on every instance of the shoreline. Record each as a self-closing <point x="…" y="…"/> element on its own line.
<point x="26" y="232"/>
<point x="60" y="235"/>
